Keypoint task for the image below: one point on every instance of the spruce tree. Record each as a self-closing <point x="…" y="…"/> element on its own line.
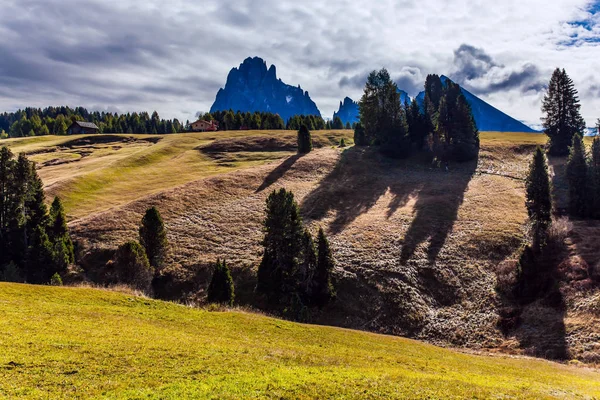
<point x="153" y="237"/>
<point x="322" y="289"/>
<point x="465" y="136"/>
<point x="562" y="120"/>
<point x="40" y="261"/>
<point x="132" y="266"/>
<point x="538" y="197"/>
<point x="337" y="123"/>
<point x="58" y="232"/>
<point x="282" y="246"/>
<point x="221" y="289"/>
<point x="417" y="127"/>
<point x="594" y="173"/>
<point x="6" y="182"/>
<point x="359" y="135"/>
<point x="304" y="140"/>
<point x="577" y="177"/>
<point x="307" y="265"/>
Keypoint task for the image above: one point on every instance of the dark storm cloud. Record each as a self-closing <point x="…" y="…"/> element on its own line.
<point x="353" y="81"/>
<point x="471" y="62"/>
<point x="477" y="70"/>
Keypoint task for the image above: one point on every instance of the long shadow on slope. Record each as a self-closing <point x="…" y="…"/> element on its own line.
<point x="359" y="179"/>
<point x="362" y="176"/>
<point x="436" y="209"/>
<point x="278" y="172"/>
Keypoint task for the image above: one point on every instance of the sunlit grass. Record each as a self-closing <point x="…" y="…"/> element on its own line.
<point x="76" y="342"/>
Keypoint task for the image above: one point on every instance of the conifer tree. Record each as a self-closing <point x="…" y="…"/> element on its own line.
<point x="153" y="237"/>
<point x="322" y="290"/>
<point x="539" y="202"/>
<point x="221" y="289"/>
<point x="133" y="267"/>
<point x="465" y="136"/>
<point x="307" y="264"/>
<point x="337" y="123"/>
<point x="562" y="120"/>
<point x="304" y="140"/>
<point x="577" y="177"/>
<point x="594" y="173"/>
<point x="282" y="246"/>
<point x="359" y="135"/>
<point x="58" y="232"/>
<point x="40" y="262"/>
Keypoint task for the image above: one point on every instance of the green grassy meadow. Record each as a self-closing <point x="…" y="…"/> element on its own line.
<point x="90" y="343"/>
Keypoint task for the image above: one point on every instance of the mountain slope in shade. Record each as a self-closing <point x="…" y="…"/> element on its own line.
<point x="349" y="112"/>
<point x="253" y="87"/>
<point x="487" y="117"/>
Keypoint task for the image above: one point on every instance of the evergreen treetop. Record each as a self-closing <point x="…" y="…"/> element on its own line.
<point x="562" y="120"/>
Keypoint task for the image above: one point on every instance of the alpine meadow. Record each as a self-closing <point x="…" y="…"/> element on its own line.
<point x="183" y="229"/>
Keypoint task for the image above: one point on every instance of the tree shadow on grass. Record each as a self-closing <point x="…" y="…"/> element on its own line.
<point x="359" y="179"/>
<point x="362" y="176"/>
<point x="278" y="172"/>
<point x="436" y="209"/>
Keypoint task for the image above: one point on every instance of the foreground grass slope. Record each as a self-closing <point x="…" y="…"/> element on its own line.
<point x="77" y="342"/>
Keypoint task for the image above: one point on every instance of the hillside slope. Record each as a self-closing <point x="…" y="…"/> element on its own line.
<point x="420" y="251"/>
<point x="77" y="342"/>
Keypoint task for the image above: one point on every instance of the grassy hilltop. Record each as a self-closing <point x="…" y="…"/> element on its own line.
<point x="79" y="342"/>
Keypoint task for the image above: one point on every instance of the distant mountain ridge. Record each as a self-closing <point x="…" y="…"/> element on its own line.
<point x="348" y="111"/>
<point x="252" y="87"/>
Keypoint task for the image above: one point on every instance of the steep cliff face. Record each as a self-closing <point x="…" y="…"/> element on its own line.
<point x="348" y="111"/>
<point x="253" y="87"/>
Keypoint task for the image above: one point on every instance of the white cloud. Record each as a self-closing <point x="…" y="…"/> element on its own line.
<point x="174" y="56"/>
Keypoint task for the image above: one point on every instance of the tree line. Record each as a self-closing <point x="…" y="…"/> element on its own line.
<point x="56" y="121"/>
<point x="34" y="242"/>
<point x="228" y="120"/>
<point x="444" y="125"/>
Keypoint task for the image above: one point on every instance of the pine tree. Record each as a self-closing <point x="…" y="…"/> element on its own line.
<point x="337" y="123"/>
<point x="304" y="140"/>
<point x="465" y="136"/>
<point x="594" y="173"/>
<point x="359" y="135"/>
<point x="282" y="246"/>
<point x="561" y="107"/>
<point x="58" y="232"/>
<point x="322" y="289"/>
<point x="40" y="262"/>
<point x="133" y="267"/>
<point x="577" y="177"/>
<point x="307" y="265"/>
<point x="221" y="289"/>
<point x="153" y="237"/>
<point x="539" y="202"/>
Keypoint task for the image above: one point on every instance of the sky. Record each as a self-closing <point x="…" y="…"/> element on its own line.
<point x="133" y="55"/>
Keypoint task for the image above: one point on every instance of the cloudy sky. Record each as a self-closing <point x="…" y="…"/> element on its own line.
<point x="129" y="55"/>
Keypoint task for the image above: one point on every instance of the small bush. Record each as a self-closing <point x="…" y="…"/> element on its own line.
<point x="56" y="280"/>
<point x="557" y="234"/>
<point x="342" y="142"/>
<point x="3" y="135"/>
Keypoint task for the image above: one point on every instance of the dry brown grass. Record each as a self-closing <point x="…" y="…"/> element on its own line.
<point x="418" y="249"/>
